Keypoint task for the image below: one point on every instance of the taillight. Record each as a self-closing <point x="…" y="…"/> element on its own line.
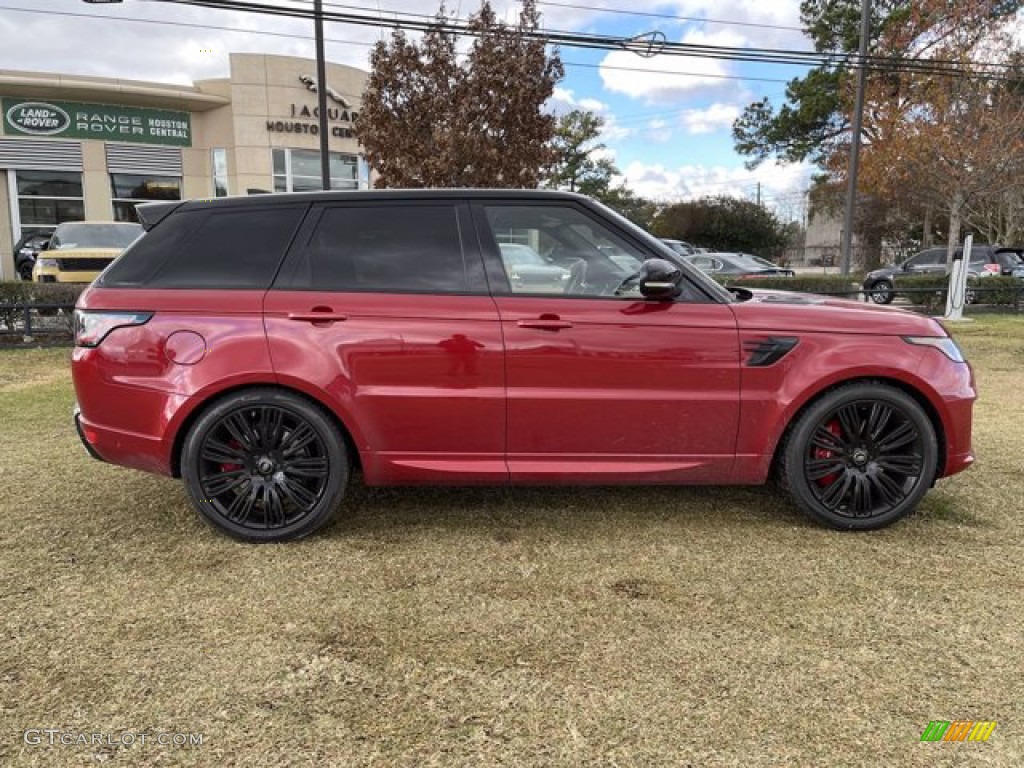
<point x="992" y="269"/>
<point x="91" y="327"/>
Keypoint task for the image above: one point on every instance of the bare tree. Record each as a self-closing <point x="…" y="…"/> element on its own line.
<point x="429" y="119"/>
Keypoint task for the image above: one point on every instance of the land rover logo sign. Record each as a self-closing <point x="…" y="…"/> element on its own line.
<point x="38" y="118"/>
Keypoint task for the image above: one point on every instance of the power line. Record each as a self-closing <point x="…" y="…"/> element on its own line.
<point x="341" y="41"/>
<point x="607" y="42"/>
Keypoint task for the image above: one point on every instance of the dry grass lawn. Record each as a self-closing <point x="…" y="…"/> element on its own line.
<point x="622" y="627"/>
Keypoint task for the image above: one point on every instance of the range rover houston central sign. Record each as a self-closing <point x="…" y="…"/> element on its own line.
<point x="72" y="120"/>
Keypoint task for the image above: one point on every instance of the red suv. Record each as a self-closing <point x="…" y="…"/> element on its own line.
<point x="261" y="348"/>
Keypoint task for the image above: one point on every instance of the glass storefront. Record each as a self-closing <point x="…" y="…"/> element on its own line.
<point x="127" y="190"/>
<point x="47" y="198"/>
<point x="298" y="170"/>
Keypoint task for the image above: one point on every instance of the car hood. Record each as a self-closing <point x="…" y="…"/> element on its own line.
<point x="780" y="311"/>
<point x="82" y="253"/>
<point x="883" y="272"/>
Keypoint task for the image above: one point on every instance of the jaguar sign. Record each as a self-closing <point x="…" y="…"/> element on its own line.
<point x="38" y="118"/>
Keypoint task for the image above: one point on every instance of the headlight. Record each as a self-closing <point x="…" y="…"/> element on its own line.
<point x="944" y="344"/>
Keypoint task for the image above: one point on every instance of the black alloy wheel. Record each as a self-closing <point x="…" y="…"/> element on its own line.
<point x="25" y="271"/>
<point x="265" y="465"/>
<point x="861" y="457"/>
<point x="881" y="292"/>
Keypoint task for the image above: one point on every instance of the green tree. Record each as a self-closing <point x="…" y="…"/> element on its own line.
<point x="628" y="203"/>
<point x="578" y="167"/>
<point x="576" y="146"/>
<point x="429" y="119"/>
<point x="725" y="224"/>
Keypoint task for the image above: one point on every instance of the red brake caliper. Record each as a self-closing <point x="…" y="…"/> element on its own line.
<point x="227" y="467"/>
<point x="821" y="453"/>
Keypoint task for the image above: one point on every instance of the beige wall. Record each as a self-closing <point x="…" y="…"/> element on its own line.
<point x="96" y="182"/>
<point x="6" y="235"/>
<point x="267" y="88"/>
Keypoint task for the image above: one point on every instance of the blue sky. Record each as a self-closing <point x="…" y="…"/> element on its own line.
<point x="668" y="118"/>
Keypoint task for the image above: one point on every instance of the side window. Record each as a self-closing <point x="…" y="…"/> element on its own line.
<point x="227" y="249"/>
<point x="385" y="249"/>
<point x="559" y="250"/>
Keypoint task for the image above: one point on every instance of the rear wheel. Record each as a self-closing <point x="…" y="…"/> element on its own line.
<point x="265" y="465"/>
<point x="861" y="457"/>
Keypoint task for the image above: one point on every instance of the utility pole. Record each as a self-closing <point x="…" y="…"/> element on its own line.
<point x="321" y="96"/>
<point x="759" y="194"/>
<point x="858" y="121"/>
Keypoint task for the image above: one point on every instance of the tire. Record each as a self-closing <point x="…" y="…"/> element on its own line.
<point x="25" y="271"/>
<point x="881" y="292"/>
<point x="265" y="465"/>
<point x="859" y="458"/>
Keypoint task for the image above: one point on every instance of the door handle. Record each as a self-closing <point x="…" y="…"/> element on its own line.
<point x="318" y="315"/>
<point x="544" y="324"/>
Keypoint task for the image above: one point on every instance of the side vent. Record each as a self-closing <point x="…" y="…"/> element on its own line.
<point x="765" y="352"/>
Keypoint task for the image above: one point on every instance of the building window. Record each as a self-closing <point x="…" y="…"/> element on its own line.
<point x="298" y="170"/>
<point x="47" y="198"/>
<point x="127" y="190"/>
<point x="220" y="172"/>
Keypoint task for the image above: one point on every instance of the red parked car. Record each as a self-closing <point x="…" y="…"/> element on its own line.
<point x="260" y="348"/>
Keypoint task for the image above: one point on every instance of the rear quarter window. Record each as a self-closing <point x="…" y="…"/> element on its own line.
<point x="394" y="248"/>
<point x="209" y="249"/>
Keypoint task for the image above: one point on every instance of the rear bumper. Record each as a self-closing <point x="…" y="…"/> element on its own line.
<point x="77" y="415"/>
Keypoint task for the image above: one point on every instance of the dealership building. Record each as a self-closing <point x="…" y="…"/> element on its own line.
<point x="83" y="148"/>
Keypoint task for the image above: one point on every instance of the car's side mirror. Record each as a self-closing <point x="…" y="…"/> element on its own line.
<point x="660" y="279"/>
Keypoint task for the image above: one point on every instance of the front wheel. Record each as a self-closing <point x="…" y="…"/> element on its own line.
<point x="861" y="457"/>
<point x="881" y="292"/>
<point x="265" y="466"/>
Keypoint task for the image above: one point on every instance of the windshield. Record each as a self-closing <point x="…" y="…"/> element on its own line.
<point x="747" y="261"/>
<point x="516" y="255"/>
<point x="94" y="235"/>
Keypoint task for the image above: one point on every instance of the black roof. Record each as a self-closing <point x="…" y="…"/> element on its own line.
<point x="151" y="213"/>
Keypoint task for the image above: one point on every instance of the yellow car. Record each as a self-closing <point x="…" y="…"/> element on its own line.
<point x="80" y="250"/>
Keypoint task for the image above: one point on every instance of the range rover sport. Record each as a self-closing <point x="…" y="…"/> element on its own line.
<point x="261" y="348"/>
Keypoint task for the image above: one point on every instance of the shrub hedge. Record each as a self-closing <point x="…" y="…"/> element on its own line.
<point x="24" y="292"/>
<point x="929" y="291"/>
<point x="850" y="285"/>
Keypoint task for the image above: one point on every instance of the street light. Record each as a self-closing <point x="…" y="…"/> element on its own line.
<point x="321" y="87"/>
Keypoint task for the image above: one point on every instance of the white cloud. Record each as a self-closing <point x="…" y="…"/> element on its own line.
<point x="658" y="131"/>
<point x="710" y="119"/>
<point x="687" y="182"/>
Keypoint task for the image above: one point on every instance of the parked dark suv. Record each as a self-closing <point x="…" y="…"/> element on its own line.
<point x="986" y="260"/>
<point x="261" y="347"/>
<point x="27" y="250"/>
